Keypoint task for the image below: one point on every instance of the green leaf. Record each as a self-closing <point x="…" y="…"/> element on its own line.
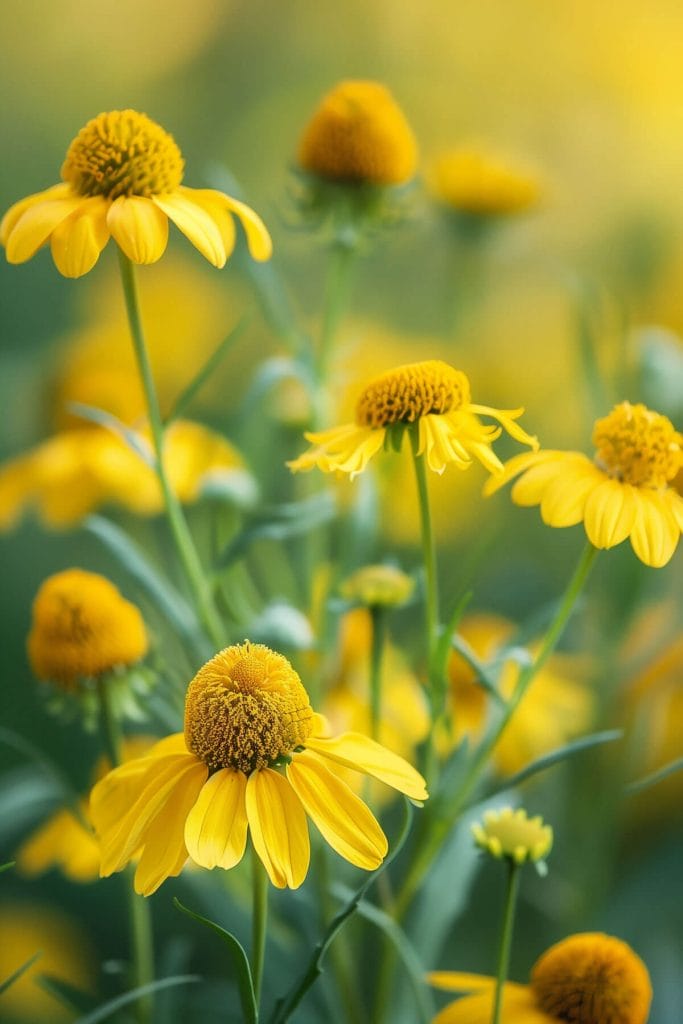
<point x="69" y="996"/>
<point x="18" y="973"/>
<point x="287" y="1005"/>
<point x="7" y="866"/>
<point x="135" y="441"/>
<point x="541" y="764"/>
<point x="639" y="785"/>
<point x="272" y="372"/>
<point x="446" y="637"/>
<point x="239" y="959"/>
<point x="134" y="561"/>
<point x="109" y="1008"/>
<point x="186" y="396"/>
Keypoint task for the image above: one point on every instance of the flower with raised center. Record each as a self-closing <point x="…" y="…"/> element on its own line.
<point x="590" y="978"/>
<point x="83" y="629"/>
<point x="510" y="833"/>
<point x="253" y="758"/>
<point x="625" y="491"/>
<point x="122" y="177"/>
<point x="476" y="183"/>
<point x="378" y="586"/>
<point x="359" y="134"/>
<point x="430" y="399"/>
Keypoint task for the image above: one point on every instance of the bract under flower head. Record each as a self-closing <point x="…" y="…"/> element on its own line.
<point x="122" y="178"/>
<point x="82" y="628"/>
<point x="510" y="833"/>
<point x="359" y="134"/>
<point x="626" y="491"/>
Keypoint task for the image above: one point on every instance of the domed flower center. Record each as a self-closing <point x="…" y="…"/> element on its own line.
<point x="123" y="153"/>
<point x="592" y="979"/>
<point x="245" y="709"/>
<point x="638" y="446"/>
<point x="409" y="392"/>
<point x="510" y="833"/>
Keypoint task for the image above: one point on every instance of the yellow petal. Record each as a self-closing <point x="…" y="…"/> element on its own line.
<point x="359" y="752"/>
<point x="164" y="852"/>
<point x="531" y="486"/>
<point x="675" y="503"/>
<point x="460" y="981"/>
<point x="216" y="827"/>
<point x="174" y="744"/>
<point x="258" y="238"/>
<point x="139" y="228"/>
<point x="37" y="223"/>
<point x="62" y="842"/>
<point x="344" y="449"/>
<point x="610" y="513"/>
<point x="563" y="501"/>
<point x="517" y="465"/>
<point x="655" y="532"/>
<point x="214" y="204"/>
<point x="17" y="210"/>
<point x="344" y="821"/>
<point x="78" y="241"/>
<point x="519" y="1007"/>
<point x="196" y="224"/>
<point x="439" y="441"/>
<point x="278" y="827"/>
<point x="506" y="418"/>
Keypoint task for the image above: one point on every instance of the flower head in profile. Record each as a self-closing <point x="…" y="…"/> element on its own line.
<point x="473" y="182"/>
<point x="83" y="628"/>
<point x="590" y="978"/>
<point x="122" y="178"/>
<point x="626" y="490"/>
<point x="511" y="833"/>
<point x="429" y="399"/>
<point x="359" y="135"/>
<point x="253" y="758"/>
<point x="378" y="586"/>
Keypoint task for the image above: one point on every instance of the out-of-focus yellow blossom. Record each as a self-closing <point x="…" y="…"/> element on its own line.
<point x="358" y="135"/>
<point x="625" y="491"/>
<point x="66" y="954"/>
<point x="479" y="183"/>
<point x="122" y="178"/>
<point x="382" y="586"/>
<point x="75" y="472"/>
<point x="555" y="709"/>
<point x="83" y="628"/>
<point x="511" y="833"/>
<point x="589" y="978"/>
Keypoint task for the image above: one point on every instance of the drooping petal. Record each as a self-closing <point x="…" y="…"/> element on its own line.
<point x="439" y="442"/>
<point x="78" y="241"/>
<point x="214" y="204"/>
<point x="564" y="497"/>
<point x="519" y="1007"/>
<point x="17" y="210"/>
<point x="345" y="449"/>
<point x="359" y="752"/>
<point x="518" y="464"/>
<point x="195" y="223"/>
<point x="675" y="503"/>
<point x="216" y="827"/>
<point x="164" y="852"/>
<point x="461" y="981"/>
<point x="344" y="821"/>
<point x="279" y="831"/>
<point x="610" y="513"/>
<point x="506" y="418"/>
<point x="655" y="531"/>
<point x="139" y="228"/>
<point x="258" y="239"/>
<point x="37" y="223"/>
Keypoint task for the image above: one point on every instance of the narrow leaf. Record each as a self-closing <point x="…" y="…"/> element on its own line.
<point x="654" y="777"/>
<point x="7" y="866"/>
<point x="186" y="396"/>
<point x="69" y="996"/>
<point x="239" y="959"/>
<point x="109" y="1008"/>
<point x="18" y="973"/>
<point x="135" y="441"/>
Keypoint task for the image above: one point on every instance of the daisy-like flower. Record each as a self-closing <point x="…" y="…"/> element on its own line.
<point x="432" y="400"/>
<point x="511" y="833"/>
<point x="253" y="758"/>
<point x="590" y="978"/>
<point x="122" y="177"/>
<point x="478" y="183"/>
<point x="625" y="491"/>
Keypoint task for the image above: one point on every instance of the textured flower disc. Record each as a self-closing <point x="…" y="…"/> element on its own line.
<point x="592" y="979"/>
<point x="409" y="392"/>
<point x="638" y="446"/>
<point x="509" y="833"/>
<point x="245" y="709"/>
<point x="123" y="153"/>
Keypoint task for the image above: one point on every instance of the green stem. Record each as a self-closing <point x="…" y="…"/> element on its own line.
<point x="138" y="908"/>
<point x="259" y="881"/>
<point x="435" y="830"/>
<point x="337" y="289"/>
<point x="514" y="875"/>
<point x="378" y="620"/>
<point x="179" y="529"/>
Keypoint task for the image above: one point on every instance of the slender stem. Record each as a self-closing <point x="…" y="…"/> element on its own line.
<point x="259" y="922"/>
<point x="336" y="294"/>
<point x="179" y="529"/>
<point x="378" y="620"/>
<point x="511" y="894"/>
<point x="435" y="829"/>
<point x="141" y="940"/>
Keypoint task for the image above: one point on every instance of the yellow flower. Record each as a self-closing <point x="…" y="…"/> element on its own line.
<point x="82" y="628"/>
<point x="626" y="491"/>
<point x="434" y="399"/>
<point x="75" y="472"/>
<point x="253" y="758"/>
<point x="122" y="177"/>
<point x="473" y="181"/>
<point x="359" y="134"/>
<point x="382" y="586"/>
<point x="590" y="978"/>
<point x="556" y="708"/>
<point x="508" y="833"/>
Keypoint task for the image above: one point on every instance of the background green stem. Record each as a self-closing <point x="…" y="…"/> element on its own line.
<point x="259" y="922"/>
<point x="378" y="619"/>
<point x="511" y="894"/>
